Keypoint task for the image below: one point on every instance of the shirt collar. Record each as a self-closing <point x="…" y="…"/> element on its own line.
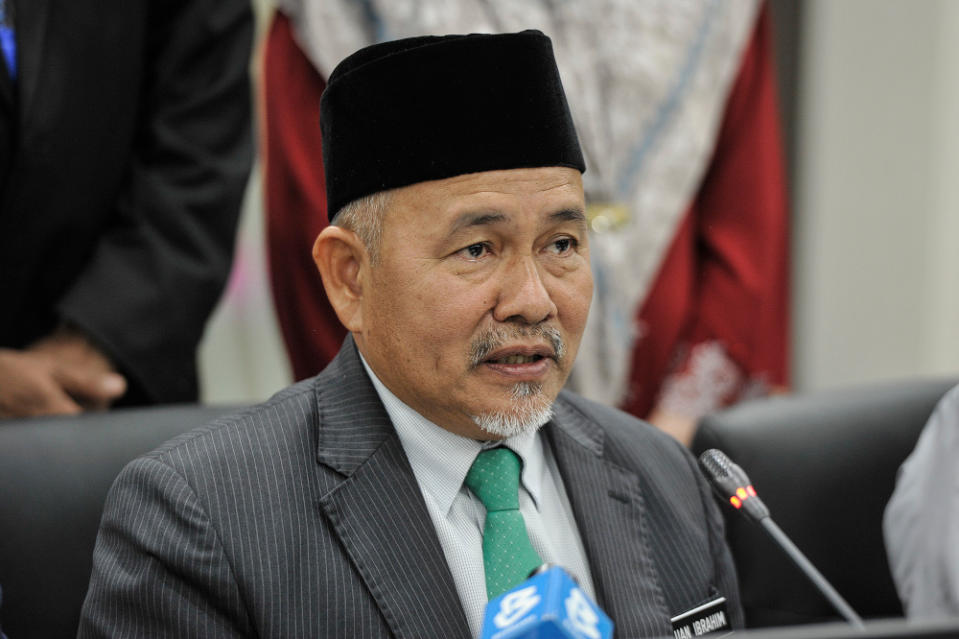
<point x="440" y="459"/>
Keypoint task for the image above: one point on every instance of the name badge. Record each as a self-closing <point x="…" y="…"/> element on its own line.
<point x="706" y="619"/>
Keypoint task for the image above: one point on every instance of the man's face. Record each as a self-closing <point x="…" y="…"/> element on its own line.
<point x="478" y="300"/>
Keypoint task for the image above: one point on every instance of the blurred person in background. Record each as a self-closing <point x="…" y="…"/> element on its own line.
<point x="125" y="147"/>
<point x="676" y="110"/>
<point x="921" y="522"/>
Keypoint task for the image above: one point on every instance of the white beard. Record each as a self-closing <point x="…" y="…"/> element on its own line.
<point x="531" y="409"/>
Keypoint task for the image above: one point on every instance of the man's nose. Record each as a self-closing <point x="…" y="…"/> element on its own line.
<point x="523" y="296"/>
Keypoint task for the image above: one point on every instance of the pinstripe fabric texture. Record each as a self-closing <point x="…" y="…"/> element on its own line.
<point x="301" y="517"/>
<point x="653" y="533"/>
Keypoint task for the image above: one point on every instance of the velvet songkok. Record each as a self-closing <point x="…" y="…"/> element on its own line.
<point x="433" y="107"/>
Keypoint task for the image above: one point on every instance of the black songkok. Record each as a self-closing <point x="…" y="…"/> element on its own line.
<point x="432" y="107"/>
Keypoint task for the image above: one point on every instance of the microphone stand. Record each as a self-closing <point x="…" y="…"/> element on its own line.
<point x="812" y="573"/>
<point x="731" y="482"/>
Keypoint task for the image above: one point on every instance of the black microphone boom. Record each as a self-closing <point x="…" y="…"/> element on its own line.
<point x="731" y="484"/>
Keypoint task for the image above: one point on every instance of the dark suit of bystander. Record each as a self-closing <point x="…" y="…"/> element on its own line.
<point x="125" y="146"/>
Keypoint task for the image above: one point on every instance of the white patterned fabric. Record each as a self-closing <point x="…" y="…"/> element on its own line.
<point x="710" y="379"/>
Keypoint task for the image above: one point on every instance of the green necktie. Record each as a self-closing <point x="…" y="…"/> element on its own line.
<point x="508" y="555"/>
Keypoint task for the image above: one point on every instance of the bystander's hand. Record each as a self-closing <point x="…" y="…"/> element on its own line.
<point x="60" y="374"/>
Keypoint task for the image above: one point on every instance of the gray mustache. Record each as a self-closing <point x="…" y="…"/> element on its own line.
<point x="495" y="338"/>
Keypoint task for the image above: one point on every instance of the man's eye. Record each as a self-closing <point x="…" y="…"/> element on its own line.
<point x="563" y="245"/>
<point x="475" y="251"/>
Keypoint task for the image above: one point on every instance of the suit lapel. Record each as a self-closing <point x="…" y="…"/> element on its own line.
<point x="33" y="17"/>
<point x="608" y="505"/>
<point x="378" y="510"/>
<point x="6" y="89"/>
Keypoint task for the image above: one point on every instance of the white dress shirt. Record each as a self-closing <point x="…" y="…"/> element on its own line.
<point x="440" y="461"/>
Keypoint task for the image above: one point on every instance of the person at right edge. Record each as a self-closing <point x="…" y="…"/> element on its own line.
<point x="921" y="521"/>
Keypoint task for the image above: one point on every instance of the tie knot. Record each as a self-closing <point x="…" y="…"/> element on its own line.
<point x="494" y="479"/>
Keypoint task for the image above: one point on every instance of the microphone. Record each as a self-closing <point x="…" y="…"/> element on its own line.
<point x="548" y="604"/>
<point x="731" y="484"/>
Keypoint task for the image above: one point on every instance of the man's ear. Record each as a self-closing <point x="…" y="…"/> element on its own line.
<point x="343" y="262"/>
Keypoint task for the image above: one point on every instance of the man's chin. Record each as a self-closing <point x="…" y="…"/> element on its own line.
<point x="523" y="416"/>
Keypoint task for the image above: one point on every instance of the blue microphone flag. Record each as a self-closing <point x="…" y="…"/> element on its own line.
<point x="548" y="605"/>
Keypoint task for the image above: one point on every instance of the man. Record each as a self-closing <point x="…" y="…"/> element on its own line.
<point x="360" y="503"/>
<point x="125" y="146"/>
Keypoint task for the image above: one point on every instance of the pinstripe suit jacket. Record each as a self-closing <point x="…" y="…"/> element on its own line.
<point x="301" y="517"/>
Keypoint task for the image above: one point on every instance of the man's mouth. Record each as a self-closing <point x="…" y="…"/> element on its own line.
<point x="521" y="363"/>
<point x="492" y="347"/>
<point x="516" y="359"/>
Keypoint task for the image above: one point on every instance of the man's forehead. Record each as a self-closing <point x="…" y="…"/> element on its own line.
<point x="480" y="219"/>
<point x="552" y="194"/>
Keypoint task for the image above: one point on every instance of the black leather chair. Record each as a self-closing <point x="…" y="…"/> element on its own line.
<point x="54" y="476"/>
<point x="825" y="464"/>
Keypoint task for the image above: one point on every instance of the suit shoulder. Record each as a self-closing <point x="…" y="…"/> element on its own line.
<point x="287" y="414"/>
<point x="637" y="445"/>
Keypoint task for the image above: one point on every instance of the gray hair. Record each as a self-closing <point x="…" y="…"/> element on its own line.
<point x="364" y="216"/>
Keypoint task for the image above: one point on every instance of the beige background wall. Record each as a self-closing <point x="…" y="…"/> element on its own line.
<point x="876" y="226"/>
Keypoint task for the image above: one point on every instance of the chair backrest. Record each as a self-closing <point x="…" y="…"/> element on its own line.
<point x="54" y="477"/>
<point x="825" y="464"/>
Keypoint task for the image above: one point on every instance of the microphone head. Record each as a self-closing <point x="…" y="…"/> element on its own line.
<point x="732" y="484"/>
<point x="720" y="469"/>
<point x="716" y="463"/>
